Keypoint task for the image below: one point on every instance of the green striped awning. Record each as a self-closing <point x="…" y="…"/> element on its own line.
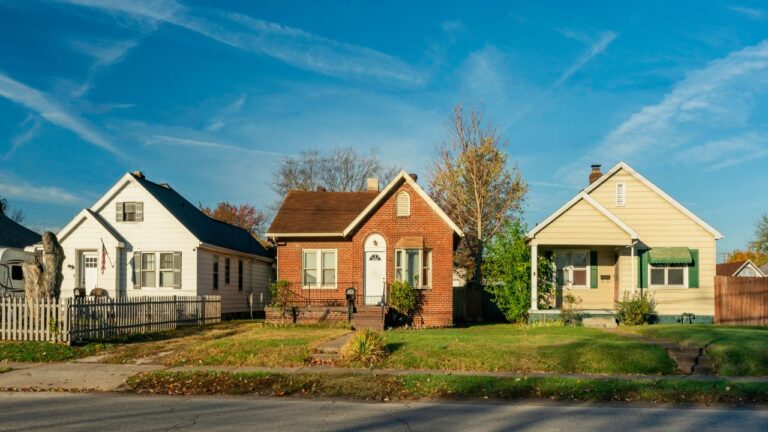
<point x="670" y="255"/>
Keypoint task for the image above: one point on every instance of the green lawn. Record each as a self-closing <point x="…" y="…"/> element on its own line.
<point x="234" y="343"/>
<point x="508" y="347"/>
<point x="44" y="351"/>
<point x="734" y="350"/>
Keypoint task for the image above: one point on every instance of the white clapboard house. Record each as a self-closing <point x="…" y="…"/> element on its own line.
<point x="144" y="239"/>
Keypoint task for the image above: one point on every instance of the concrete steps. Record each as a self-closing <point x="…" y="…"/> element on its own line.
<point x="599" y="322"/>
<point x="330" y="352"/>
<point x="368" y="318"/>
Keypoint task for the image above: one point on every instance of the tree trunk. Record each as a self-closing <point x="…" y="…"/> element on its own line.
<point x="53" y="260"/>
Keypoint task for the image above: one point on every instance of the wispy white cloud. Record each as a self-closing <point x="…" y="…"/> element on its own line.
<point x="52" y="111"/>
<point x="32" y="124"/>
<point x="572" y="34"/>
<point x="716" y="100"/>
<point x="594" y="50"/>
<point x="197" y="143"/>
<point x="15" y="189"/>
<point x="218" y="122"/>
<point x="748" y="11"/>
<point x="105" y="54"/>
<point x="293" y="46"/>
<point x="728" y="152"/>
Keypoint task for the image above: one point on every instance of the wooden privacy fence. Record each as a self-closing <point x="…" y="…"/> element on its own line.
<point x="91" y="319"/>
<point x="741" y="300"/>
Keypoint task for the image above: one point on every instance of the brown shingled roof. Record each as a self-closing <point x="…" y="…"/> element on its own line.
<point x="319" y="212"/>
<point x="728" y="269"/>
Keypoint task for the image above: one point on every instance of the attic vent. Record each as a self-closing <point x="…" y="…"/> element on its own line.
<point x="621" y="194"/>
<point x="165" y="185"/>
<point x="403" y="204"/>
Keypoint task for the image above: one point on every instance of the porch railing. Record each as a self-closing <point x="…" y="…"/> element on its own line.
<point x="316" y="294"/>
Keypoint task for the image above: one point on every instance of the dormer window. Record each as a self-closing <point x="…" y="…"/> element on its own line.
<point x="403" y="204"/>
<point x="129" y="211"/>
<point x="621" y="194"/>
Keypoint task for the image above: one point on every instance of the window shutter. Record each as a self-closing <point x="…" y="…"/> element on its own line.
<point x="642" y="268"/>
<point x="593" y="269"/>
<point x="693" y="270"/>
<point x="137" y="270"/>
<point x="139" y="211"/>
<point x="177" y="270"/>
<point x="119" y="212"/>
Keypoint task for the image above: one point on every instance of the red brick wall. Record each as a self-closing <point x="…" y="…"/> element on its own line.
<point x="437" y="309"/>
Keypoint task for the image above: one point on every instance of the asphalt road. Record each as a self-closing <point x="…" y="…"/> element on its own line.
<point x="111" y="412"/>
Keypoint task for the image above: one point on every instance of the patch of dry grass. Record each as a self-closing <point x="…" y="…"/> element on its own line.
<point x="234" y="343"/>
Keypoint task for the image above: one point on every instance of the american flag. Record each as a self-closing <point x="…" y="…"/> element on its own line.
<point x="104" y="256"/>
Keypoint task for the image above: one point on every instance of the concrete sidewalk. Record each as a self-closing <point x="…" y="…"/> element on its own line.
<point x="69" y="376"/>
<point x="110" y="377"/>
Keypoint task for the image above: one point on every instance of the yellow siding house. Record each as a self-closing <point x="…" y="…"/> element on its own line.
<point x="622" y="234"/>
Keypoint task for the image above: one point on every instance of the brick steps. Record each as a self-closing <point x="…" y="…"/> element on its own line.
<point x="368" y="318"/>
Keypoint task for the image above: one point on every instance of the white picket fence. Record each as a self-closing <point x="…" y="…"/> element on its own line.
<point x="93" y="319"/>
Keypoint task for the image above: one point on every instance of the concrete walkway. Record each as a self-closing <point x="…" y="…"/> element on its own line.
<point x="69" y="376"/>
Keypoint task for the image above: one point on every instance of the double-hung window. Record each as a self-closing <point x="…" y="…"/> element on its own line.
<point x="148" y="269"/>
<point x="129" y="211"/>
<point x="170" y="269"/>
<point x="670" y="275"/>
<point x="319" y="268"/>
<point x="414" y="266"/>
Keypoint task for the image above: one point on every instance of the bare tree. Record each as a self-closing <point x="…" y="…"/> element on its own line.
<point x="15" y="214"/>
<point x="341" y="170"/>
<point x="473" y="182"/>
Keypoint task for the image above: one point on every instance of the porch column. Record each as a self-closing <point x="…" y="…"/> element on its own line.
<point x="633" y="274"/>
<point x="534" y="276"/>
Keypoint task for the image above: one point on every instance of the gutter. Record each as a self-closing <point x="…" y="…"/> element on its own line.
<point x="214" y="248"/>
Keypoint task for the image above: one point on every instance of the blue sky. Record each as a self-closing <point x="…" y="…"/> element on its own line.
<point x="209" y="96"/>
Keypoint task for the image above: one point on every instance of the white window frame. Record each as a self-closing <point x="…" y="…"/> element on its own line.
<point x="621" y="198"/>
<point x="568" y="284"/>
<point x="319" y="268"/>
<point x="666" y="284"/>
<point x="422" y="267"/>
<point x="154" y="270"/>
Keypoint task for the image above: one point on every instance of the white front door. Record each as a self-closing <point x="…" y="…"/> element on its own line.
<point x="89" y="269"/>
<point x="375" y="273"/>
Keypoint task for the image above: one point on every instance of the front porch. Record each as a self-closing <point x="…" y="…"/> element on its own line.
<point x="588" y="278"/>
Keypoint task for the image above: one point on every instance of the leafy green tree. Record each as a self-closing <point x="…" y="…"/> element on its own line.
<point x="761" y="235"/>
<point x="507" y="272"/>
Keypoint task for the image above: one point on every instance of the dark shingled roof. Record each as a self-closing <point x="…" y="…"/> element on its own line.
<point x="15" y="235"/>
<point x="728" y="269"/>
<point x="319" y="212"/>
<point x="206" y="229"/>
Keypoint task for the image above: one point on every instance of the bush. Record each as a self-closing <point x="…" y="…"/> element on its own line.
<point x="403" y="298"/>
<point x="366" y="348"/>
<point x="637" y="309"/>
<point x="570" y="313"/>
<point x="280" y="293"/>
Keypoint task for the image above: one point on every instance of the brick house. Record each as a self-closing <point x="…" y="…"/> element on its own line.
<point x="330" y="241"/>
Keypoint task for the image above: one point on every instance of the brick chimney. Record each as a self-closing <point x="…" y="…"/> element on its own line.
<point x="372" y="185"/>
<point x="595" y="173"/>
<point x="414" y="176"/>
<point x="138" y="174"/>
